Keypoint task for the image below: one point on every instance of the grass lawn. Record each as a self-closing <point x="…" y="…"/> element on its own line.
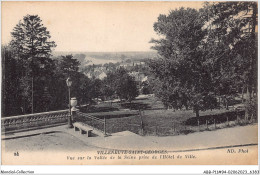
<point x="156" y="119"/>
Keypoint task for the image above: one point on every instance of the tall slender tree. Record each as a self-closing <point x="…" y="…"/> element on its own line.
<point x="32" y="45"/>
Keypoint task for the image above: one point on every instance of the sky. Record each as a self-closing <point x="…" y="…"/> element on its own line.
<point x="93" y="26"/>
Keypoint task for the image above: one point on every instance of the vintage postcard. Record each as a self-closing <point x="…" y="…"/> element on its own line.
<point x="129" y="83"/>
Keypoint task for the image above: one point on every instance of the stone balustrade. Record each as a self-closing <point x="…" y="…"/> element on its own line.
<point x="33" y="121"/>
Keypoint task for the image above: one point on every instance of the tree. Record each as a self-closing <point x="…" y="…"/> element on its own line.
<point x="119" y="83"/>
<point x="146" y="88"/>
<point x="127" y="88"/>
<point x="11" y="98"/>
<point x="83" y="88"/>
<point x="30" y="38"/>
<point x="85" y="94"/>
<point x="233" y="24"/>
<point x="66" y="66"/>
<point x="69" y="65"/>
<point x="32" y="47"/>
<point x="180" y="69"/>
<point x="107" y="90"/>
<point x="95" y="89"/>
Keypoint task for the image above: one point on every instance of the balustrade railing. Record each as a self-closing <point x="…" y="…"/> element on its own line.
<point x="37" y="120"/>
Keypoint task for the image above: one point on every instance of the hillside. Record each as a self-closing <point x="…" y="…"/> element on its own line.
<point x="97" y="64"/>
<point x="108" y="56"/>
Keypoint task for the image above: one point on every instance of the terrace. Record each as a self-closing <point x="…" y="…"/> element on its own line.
<point x="144" y="116"/>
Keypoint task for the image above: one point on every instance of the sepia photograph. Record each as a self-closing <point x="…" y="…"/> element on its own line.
<point x="129" y="83"/>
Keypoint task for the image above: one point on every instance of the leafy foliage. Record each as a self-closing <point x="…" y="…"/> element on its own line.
<point x="122" y="84"/>
<point x="232" y="46"/>
<point x="180" y="71"/>
<point x="31" y="47"/>
<point x="31" y="38"/>
<point x="205" y="54"/>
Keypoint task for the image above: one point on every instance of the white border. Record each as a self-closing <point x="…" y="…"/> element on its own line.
<point x="130" y="169"/>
